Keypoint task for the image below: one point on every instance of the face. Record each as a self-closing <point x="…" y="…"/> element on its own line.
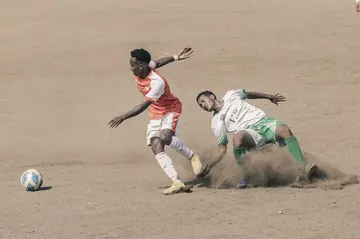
<point x="207" y="103"/>
<point x="136" y="67"/>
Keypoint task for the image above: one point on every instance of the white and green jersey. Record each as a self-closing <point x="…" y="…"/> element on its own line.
<point x="235" y="115"/>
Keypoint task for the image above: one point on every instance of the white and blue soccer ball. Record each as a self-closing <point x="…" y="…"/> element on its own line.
<point x="31" y="180"/>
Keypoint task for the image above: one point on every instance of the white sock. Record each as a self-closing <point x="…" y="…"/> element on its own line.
<point x="166" y="164"/>
<point x="178" y="144"/>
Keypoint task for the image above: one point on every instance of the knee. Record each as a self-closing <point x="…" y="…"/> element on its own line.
<point x="283" y="131"/>
<point x="157" y="146"/>
<point x="243" y="140"/>
<point x="238" y="140"/>
<point x="166" y="136"/>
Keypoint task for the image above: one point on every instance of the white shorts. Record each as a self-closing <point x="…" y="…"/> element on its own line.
<point x="260" y="140"/>
<point x="168" y="121"/>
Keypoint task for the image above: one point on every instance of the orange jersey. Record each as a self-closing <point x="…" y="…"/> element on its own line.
<point x="156" y="89"/>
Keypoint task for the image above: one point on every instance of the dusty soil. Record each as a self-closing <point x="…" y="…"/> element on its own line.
<point x="64" y="75"/>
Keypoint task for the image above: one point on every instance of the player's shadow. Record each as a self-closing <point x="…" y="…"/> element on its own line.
<point x="201" y="183"/>
<point x="187" y="189"/>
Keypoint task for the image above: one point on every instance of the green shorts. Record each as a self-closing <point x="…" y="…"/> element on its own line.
<point x="263" y="132"/>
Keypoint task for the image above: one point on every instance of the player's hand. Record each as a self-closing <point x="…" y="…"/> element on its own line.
<point x="276" y="99"/>
<point x="116" y="121"/>
<point x="184" y="54"/>
<point x="204" y="172"/>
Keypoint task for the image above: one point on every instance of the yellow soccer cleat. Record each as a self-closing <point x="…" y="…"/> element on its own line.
<point x="196" y="164"/>
<point x="177" y="187"/>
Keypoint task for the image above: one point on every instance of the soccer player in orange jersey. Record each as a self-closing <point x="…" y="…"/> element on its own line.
<point x="164" y="110"/>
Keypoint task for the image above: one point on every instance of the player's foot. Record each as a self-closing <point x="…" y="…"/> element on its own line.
<point x="196" y="164"/>
<point x="244" y="183"/>
<point x="310" y="170"/>
<point x="177" y="187"/>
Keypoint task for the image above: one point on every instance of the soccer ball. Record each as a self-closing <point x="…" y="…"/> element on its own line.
<point x="31" y="180"/>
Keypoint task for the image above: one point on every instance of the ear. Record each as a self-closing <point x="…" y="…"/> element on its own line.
<point x="212" y="97"/>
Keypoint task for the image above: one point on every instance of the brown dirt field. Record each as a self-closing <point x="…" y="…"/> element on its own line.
<point x="64" y="75"/>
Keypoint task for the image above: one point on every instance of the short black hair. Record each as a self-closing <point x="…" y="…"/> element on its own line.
<point x="141" y="55"/>
<point x="206" y="93"/>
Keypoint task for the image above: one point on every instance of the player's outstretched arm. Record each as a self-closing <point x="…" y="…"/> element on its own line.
<point x="222" y="149"/>
<point x="184" y="54"/>
<point x="135" y="111"/>
<point x="276" y="99"/>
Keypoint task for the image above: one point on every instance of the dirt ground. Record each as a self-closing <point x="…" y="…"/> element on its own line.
<point x="64" y="75"/>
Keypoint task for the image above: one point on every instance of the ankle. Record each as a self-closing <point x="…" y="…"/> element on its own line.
<point x="175" y="179"/>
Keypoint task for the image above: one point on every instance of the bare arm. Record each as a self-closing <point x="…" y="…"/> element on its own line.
<point x="221" y="153"/>
<point x="273" y="98"/>
<point x="135" y="111"/>
<point x="184" y="54"/>
<point x="164" y="61"/>
<point x="222" y="149"/>
<point x="257" y="95"/>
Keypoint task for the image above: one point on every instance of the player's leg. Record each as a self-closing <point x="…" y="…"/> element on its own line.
<point x="279" y="132"/>
<point x="163" y="159"/>
<point x="165" y="162"/>
<point x="283" y="132"/>
<point x="243" y="141"/>
<point x="169" y="135"/>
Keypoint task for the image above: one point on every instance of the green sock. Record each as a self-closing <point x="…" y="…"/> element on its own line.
<point x="294" y="149"/>
<point x="239" y="155"/>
